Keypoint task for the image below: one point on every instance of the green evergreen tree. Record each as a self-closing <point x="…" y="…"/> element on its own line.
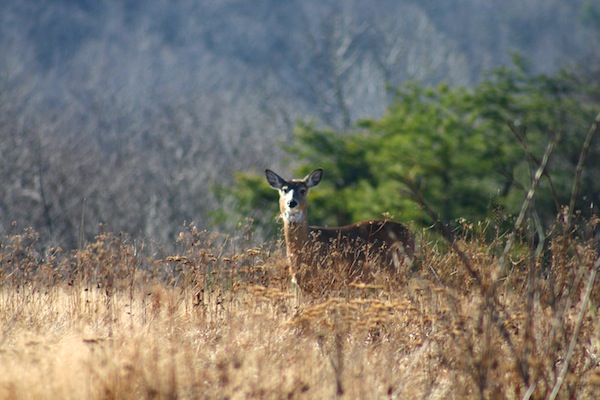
<point x="467" y="152"/>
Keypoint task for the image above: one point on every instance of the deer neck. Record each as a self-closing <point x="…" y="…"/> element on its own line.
<point x="296" y="236"/>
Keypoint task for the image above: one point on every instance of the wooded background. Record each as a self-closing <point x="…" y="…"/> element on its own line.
<point x="140" y="114"/>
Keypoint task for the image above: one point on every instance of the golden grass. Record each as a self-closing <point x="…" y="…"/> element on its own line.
<point x="218" y="320"/>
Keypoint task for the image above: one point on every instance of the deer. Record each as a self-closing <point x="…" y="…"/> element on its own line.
<point x="386" y="241"/>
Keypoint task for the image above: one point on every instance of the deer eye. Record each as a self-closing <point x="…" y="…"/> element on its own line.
<point x="285" y="189"/>
<point x="302" y="191"/>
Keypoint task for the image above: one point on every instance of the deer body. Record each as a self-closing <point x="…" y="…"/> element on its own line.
<point x="389" y="241"/>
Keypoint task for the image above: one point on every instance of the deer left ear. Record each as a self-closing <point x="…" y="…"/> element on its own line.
<point x="275" y="181"/>
<point x="314" y="178"/>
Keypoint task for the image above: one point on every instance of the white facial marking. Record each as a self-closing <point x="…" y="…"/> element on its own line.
<point x="287" y="198"/>
<point x="291" y="214"/>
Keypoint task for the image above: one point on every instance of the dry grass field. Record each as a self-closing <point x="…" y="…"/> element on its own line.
<point x="218" y="320"/>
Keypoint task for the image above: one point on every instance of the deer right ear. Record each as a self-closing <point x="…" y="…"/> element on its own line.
<point x="275" y="181"/>
<point x="314" y="178"/>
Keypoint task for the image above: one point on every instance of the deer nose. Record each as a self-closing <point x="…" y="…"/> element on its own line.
<point x="292" y="203"/>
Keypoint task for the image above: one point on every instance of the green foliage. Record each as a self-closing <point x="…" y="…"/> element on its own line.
<point x="467" y="152"/>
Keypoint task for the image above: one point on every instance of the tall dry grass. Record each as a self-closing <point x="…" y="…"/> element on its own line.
<point x="220" y="320"/>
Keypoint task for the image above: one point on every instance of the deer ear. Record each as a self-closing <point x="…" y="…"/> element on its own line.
<point x="314" y="178"/>
<point x="275" y="181"/>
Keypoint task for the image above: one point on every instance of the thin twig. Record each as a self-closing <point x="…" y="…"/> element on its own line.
<point x="528" y="200"/>
<point x="445" y="231"/>
<point x="565" y="368"/>
<point x="529" y="391"/>
<point x="579" y="169"/>
<point x="521" y="361"/>
<point x="495" y="306"/>
<point x="415" y="358"/>
<point x="533" y="159"/>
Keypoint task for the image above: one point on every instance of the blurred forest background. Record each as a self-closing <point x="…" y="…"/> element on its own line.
<point x="140" y="114"/>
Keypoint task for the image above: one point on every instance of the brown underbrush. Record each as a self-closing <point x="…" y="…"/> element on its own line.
<point x="220" y="320"/>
